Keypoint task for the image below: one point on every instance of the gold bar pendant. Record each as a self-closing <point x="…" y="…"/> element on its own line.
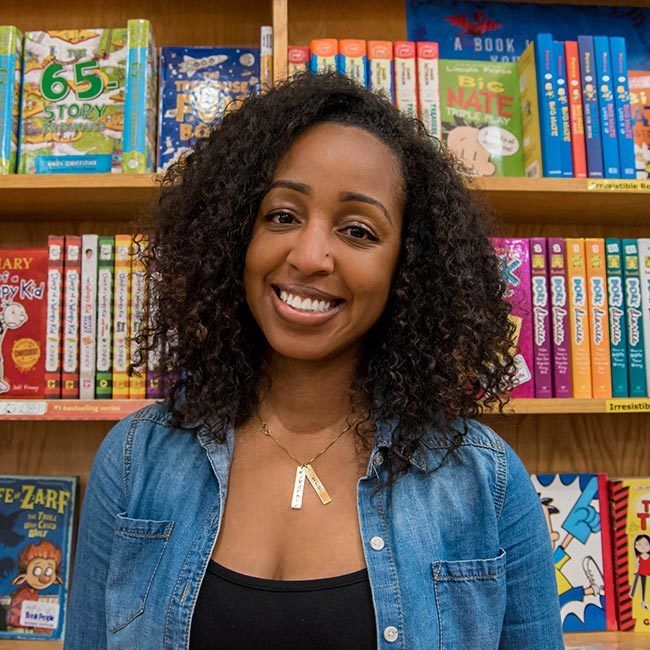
<point x="298" y="488"/>
<point x="317" y="485"/>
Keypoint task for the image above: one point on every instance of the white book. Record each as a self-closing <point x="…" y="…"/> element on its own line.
<point x="88" y="317"/>
<point x="644" y="272"/>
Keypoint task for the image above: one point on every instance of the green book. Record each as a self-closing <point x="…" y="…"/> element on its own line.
<point x="104" y="365"/>
<point x="11" y="52"/>
<point x="617" y="321"/>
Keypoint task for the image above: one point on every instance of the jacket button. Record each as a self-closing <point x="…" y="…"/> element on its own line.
<point x="379" y="458"/>
<point x="391" y="634"/>
<point x="377" y="543"/>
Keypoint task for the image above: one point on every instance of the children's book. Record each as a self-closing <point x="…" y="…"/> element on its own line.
<point x="605" y="88"/>
<point x="11" y="54"/>
<point x="564" y="121"/>
<point x="121" y="316"/>
<point x="622" y="105"/>
<point x="640" y="106"/>
<point x="530" y="116"/>
<point x="71" y="307"/>
<point x="429" y="87"/>
<point x="617" y="320"/>
<point x="576" y="116"/>
<point x="36" y="525"/>
<point x="105" y="274"/>
<point x="324" y="55"/>
<point x="541" y="298"/>
<point x="88" y="317"/>
<point x="406" y="85"/>
<point x="352" y="60"/>
<point x="54" y="322"/>
<point x="298" y="59"/>
<point x="562" y="383"/>
<point x="381" y="76"/>
<point x="589" y="91"/>
<point x="644" y="273"/>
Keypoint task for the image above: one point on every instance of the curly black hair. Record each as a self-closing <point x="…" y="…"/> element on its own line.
<point x="442" y="346"/>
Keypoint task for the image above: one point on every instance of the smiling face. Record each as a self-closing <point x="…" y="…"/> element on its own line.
<point x="329" y="230"/>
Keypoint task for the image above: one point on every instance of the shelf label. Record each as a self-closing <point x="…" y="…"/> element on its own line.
<point x="23" y="407"/>
<point x="627" y="405"/>
<point x="618" y="185"/>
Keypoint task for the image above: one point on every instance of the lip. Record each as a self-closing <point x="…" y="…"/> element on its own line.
<point x="295" y="317"/>
<point x="307" y="292"/>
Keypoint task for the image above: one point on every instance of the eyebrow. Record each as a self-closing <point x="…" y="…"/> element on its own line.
<point x="292" y="185"/>
<point x="363" y="198"/>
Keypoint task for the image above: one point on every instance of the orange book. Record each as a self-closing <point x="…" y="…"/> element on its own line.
<point x="578" y="318"/>
<point x="601" y="365"/>
<point x="121" y="316"/>
<point x="137" y="387"/>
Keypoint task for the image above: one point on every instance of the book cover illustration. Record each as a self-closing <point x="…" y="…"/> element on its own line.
<point x="72" y="101"/>
<point x="542" y="339"/>
<point x="198" y="86"/>
<point x="23" y="311"/>
<point x="577" y="515"/>
<point x="36" y="521"/>
<point x="640" y="104"/>
<point x="481" y="117"/>
<point x="562" y="384"/>
<point x="11" y="54"/>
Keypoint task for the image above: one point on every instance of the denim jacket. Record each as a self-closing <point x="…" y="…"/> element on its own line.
<point x="457" y="559"/>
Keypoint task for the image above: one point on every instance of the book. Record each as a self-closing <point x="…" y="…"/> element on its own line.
<point x="578" y="318"/>
<point x="630" y="505"/>
<point x="72" y="114"/>
<point x="564" y="122"/>
<point x="121" y="316"/>
<point x="622" y="106"/>
<point x="617" y="320"/>
<point x="576" y="509"/>
<point x="530" y="117"/>
<point x="405" y="67"/>
<point x="591" y="112"/>
<point x="37" y="517"/>
<point x="481" y="118"/>
<point x="139" y="145"/>
<point x="105" y="273"/>
<point x="634" y="313"/>
<point x="198" y="86"/>
<point x="562" y="382"/>
<point x="88" y="317"/>
<point x="541" y="300"/>
<point x="324" y="55"/>
<point x="23" y="311"/>
<point x="429" y="87"/>
<point x="381" y="73"/>
<point x="266" y="58"/>
<point x="605" y="88"/>
<point x="352" y="60"/>
<point x="153" y="384"/>
<point x="137" y="384"/>
<point x="71" y="306"/>
<point x="54" y="318"/>
<point x="639" y="81"/>
<point x="11" y="54"/>
<point x="644" y="277"/>
<point x="578" y="151"/>
<point x="297" y="59"/>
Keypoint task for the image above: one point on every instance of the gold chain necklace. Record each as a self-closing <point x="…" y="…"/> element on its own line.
<point x="304" y="470"/>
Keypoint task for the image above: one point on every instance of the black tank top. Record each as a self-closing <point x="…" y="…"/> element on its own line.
<point x="240" y="612"/>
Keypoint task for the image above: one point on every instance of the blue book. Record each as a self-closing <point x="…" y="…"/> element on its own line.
<point x="563" y="109"/>
<point x="605" y="88"/>
<point x="197" y="86"/>
<point x="623" y="109"/>
<point x="591" y="115"/>
<point x="549" y="124"/>
<point x="617" y="322"/>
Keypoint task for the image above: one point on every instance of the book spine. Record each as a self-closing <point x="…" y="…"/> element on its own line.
<point x="406" y="93"/>
<point x="623" y="109"/>
<point x="617" y="322"/>
<point x="562" y="383"/>
<point x="266" y="58"/>
<point x="530" y="113"/>
<point x="563" y="109"/>
<point x="324" y="55"/>
<point x="105" y="273"/>
<point x="54" y="320"/>
<point x="137" y="384"/>
<point x="634" y="313"/>
<point x="578" y="151"/>
<point x="88" y="318"/>
<point x="381" y="74"/>
<point x="579" y="318"/>
<point x="153" y="385"/>
<point x="548" y="108"/>
<point x="297" y="59"/>
<point x="644" y="272"/>
<point x="71" y="292"/>
<point x="606" y="542"/>
<point x="541" y="318"/>
<point x="428" y="83"/>
<point x="590" y="109"/>
<point x="11" y="45"/>
<point x="606" y="105"/>
<point x="352" y="60"/>
<point x="121" y="316"/>
<point x="601" y="370"/>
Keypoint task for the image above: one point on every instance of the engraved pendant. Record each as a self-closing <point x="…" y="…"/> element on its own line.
<point x="298" y="488"/>
<point x="317" y="485"/>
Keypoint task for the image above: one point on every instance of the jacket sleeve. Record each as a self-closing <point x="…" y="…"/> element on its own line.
<point x="104" y="498"/>
<point x="532" y="616"/>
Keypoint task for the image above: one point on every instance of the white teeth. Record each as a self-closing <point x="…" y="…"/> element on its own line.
<point x="308" y="304"/>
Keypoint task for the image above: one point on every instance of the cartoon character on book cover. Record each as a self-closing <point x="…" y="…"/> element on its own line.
<point x="575" y="507"/>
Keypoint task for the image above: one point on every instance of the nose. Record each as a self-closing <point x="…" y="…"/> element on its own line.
<point x="311" y="250"/>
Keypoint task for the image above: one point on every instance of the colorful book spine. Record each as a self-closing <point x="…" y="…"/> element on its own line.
<point x="532" y="143"/>
<point x="297" y="59"/>
<point x="105" y="273"/>
<point x="562" y="383"/>
<point x="266" y="58"/>
<point x="593" y="144"/>
<point x="352" y="60"/>
<point x="88" y="317"/>
<point x="578" y="151"/>
<point x="634" y="313"/>
<point x="578" y="318"/>
<point x="550" y="134"/>
<point x="644" y="272"/>
<point x="605" y="89"/>
<point x="137" y="384"/>
<point x="324" y="55"/>
<point x="54" y="320"/>
<point x="542" y="340"/>
<point x="564" y="121"/>
<point x="623" y="108"/>
<point x="617" y="322"/>
<point x="428" y="64"/>
<point x="72" y="296"/>
<point x="640" y="104"/>
<point x="138" y="147"/>
<point x="154" y="386"/>
<point x="601" y="370"/>
<point x="11" y="53"/>
<point x="381" y="74"/>
<point x="406" y="89"/>
<point x="121" y="316"/>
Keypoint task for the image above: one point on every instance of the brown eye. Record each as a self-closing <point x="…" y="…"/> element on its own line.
<point x="283" y="217"/>
<point x="358" y="232"/>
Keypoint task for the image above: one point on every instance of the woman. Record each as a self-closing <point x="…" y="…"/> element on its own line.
<point x="316" y="477"/>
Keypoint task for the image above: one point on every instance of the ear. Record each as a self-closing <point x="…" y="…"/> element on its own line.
<point x="19" y="579"/>
<point x="58" y="579"/>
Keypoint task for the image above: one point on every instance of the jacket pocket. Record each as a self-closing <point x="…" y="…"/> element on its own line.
<point x="470" y="598"/>
<point x="138" y="546"/>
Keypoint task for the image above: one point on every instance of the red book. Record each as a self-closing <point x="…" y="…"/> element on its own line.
<point x="576" y="119"/>
<point x="71" y="303"/>
<point x="54" y="320"/>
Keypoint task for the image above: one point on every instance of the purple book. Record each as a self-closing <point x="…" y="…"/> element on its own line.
<point x="560" y="318"/>
<point x="515" y="261"/>
<point x="542" y="346"/>
<point x="153" y="386"/>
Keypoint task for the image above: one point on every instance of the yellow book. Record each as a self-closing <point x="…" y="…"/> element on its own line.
<point x="601" y="368"/>
<point x="532" y="142"/>
<point x="578" y="318"/>
<point x="121" y="316"/>
<point x="137" y="385"/>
